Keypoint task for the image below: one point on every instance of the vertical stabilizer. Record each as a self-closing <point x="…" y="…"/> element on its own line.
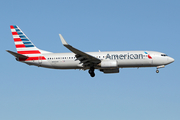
<point x="24" y="45"/>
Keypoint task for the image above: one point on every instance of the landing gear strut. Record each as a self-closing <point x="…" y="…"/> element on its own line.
<point x="91" y="72"/>
<point x="161" y="66"/>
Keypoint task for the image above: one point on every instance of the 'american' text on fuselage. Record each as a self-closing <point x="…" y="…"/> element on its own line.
<point x="124" y="56"/>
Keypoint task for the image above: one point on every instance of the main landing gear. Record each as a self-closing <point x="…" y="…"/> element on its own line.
<point x="91" y="72"/>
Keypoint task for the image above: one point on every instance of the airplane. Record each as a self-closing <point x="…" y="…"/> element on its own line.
<point x="106" y="62"/>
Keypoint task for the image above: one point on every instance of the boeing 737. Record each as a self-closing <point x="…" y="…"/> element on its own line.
<point x="106" y="62"/>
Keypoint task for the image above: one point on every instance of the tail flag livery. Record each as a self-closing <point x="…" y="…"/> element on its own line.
<point x="24" y="46"/>
<point x="148" y="55"/>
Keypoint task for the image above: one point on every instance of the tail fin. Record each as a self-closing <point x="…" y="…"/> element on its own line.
<point x="23" y="44"/>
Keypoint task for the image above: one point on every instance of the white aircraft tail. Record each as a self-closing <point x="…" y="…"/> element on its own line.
<point x="24" y="46"/>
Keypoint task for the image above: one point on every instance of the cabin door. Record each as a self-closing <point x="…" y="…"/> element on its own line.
<point x="40" y="60"/>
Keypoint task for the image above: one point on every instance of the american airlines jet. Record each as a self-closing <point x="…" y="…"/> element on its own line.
<point x="106" y="62"/>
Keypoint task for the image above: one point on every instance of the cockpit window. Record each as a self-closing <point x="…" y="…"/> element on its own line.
<point x="163" y="55"/>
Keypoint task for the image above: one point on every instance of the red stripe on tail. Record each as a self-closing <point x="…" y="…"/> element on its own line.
<point x="20" y="46"/>
<point x="11" y="27"/>
<point x="17" y="39"/>
<point x="14" y="33"/>
<point x="30" y="52"/>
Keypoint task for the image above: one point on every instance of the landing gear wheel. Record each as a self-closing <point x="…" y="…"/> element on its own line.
<point x="157" y="71"/>
<point x="91" y="72"/>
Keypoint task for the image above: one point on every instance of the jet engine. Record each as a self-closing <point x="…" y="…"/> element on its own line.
<point x="109" y="64"/>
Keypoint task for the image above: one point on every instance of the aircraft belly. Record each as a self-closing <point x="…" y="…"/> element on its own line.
<point x="44" y="63"/>
<point x="134" y="63"/>
<point x="64" y="64"/>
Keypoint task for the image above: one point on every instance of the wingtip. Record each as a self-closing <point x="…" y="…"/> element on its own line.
<point x="7" y="50"/>
<point x="63" y="40"/>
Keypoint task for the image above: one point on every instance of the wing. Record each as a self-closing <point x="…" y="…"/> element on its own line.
<point x="86" y="59"/>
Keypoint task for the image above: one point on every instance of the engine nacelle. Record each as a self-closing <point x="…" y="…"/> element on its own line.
<point x="115" y="70"/>
<point x="109" y="64"/>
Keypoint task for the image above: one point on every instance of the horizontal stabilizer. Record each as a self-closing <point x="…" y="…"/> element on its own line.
<point x="17" y="54"/>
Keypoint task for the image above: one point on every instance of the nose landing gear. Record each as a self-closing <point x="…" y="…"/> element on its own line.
<point x="91" y="72"/>
<point x="161" y="66"/>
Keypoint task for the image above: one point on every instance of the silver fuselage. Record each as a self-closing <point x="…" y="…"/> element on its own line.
<point x="124" y="59"/>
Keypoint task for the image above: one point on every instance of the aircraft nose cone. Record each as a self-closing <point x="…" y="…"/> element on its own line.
<point x="170" y="60"/>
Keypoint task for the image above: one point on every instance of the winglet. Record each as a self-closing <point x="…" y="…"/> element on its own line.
<point x="62" y="40"/>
